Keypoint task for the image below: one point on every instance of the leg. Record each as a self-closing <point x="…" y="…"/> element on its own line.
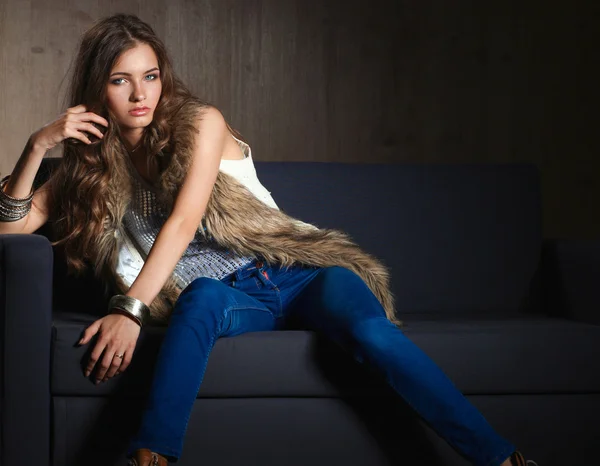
<point x="338" y="304"/>
<point x="206" y="310"/>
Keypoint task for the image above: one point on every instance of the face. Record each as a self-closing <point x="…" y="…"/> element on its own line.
<point x="134" y="82"/>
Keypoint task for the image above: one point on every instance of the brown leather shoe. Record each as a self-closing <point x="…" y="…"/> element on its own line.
<point x="517" y="459"/>
<point x="145" y="457"/>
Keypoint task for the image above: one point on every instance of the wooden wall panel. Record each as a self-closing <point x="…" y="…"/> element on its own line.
<point x="354" y="81"/>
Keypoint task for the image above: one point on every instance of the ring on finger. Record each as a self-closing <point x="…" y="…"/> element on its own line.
<point x="120" y="356"/>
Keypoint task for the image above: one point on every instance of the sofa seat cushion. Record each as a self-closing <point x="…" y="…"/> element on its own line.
<point x="516" y="355"/>
<point x="521" y="354"/>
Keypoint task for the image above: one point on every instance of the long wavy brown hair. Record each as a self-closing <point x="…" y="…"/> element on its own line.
<point x="79" y="185"/>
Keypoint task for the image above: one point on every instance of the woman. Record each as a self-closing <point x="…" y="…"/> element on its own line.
<point x="159" y="196"/>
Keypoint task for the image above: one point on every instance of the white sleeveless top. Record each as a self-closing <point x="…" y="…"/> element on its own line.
<point x="144" y="218"/>
<point x="243" y="170"/>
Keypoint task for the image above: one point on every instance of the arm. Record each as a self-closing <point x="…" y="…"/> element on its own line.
<point x="118" y="333"/>
<point x="20" y="184"/>
<point x="69" y="124"/>
<point x="188" y="209"/>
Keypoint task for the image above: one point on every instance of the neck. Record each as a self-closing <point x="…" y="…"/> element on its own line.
<point x="132" y="139"/>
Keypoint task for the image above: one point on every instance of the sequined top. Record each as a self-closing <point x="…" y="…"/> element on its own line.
<point x="202" y="258"/>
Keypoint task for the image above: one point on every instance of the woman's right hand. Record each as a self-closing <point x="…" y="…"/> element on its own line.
<point x="70" y="124"/>
<point x="117" y="334"/>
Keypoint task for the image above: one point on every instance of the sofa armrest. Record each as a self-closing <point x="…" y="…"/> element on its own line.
<point x="571" y="279"/>
<point x="26" y="268"/>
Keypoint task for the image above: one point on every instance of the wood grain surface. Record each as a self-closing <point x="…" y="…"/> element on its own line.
<point x="354" y="81"/>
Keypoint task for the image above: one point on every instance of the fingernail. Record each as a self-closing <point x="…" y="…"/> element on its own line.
<point x="87" y="373"/>
<point x="97" y="381"/>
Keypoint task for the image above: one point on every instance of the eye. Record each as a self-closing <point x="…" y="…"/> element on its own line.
<point x="118" y="80"/>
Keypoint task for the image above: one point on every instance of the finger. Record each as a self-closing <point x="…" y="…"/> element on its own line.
<point x="73" y="133"/>
<point x="105" y="364"/>
<point x="82" y="126"/>
<point x="115" y="364"/>
<point x="95" y="356"/>
<point x="91" y="116"/>
<point x="89" y="333"/>
<point x="77" y="109"/>
<point x="126" y="361"/>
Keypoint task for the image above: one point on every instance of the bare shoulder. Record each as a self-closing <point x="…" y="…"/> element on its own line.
<point x="212" y="126"/>
<point x="211" y="118"/>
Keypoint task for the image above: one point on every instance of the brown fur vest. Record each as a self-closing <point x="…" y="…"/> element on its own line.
<point x="238" y="221"/>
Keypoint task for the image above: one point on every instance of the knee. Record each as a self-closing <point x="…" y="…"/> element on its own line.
<point x="376" y="333"/>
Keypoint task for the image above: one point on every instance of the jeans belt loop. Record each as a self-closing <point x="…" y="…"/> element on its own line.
<point x="247" y="271"/>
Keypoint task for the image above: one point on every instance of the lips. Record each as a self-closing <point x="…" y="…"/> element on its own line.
<point x="139" y="111"/>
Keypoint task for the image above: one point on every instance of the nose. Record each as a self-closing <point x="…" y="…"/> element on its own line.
<point x="137" y="95"/>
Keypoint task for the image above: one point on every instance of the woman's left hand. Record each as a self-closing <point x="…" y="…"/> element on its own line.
<point x="117" y="337"/>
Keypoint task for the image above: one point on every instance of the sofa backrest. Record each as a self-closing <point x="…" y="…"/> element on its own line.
<point x="457" y="238"/>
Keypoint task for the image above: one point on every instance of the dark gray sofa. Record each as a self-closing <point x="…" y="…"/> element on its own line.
<point x="512" y="318"/>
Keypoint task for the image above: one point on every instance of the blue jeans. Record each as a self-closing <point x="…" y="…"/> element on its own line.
<point x="333" y="301"/>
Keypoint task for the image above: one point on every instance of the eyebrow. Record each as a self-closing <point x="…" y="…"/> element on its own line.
<point x="129" y="74"/>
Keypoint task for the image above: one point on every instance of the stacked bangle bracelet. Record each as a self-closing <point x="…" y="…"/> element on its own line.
<point x="12" y="208"/>
<point x="132" y="306"/>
